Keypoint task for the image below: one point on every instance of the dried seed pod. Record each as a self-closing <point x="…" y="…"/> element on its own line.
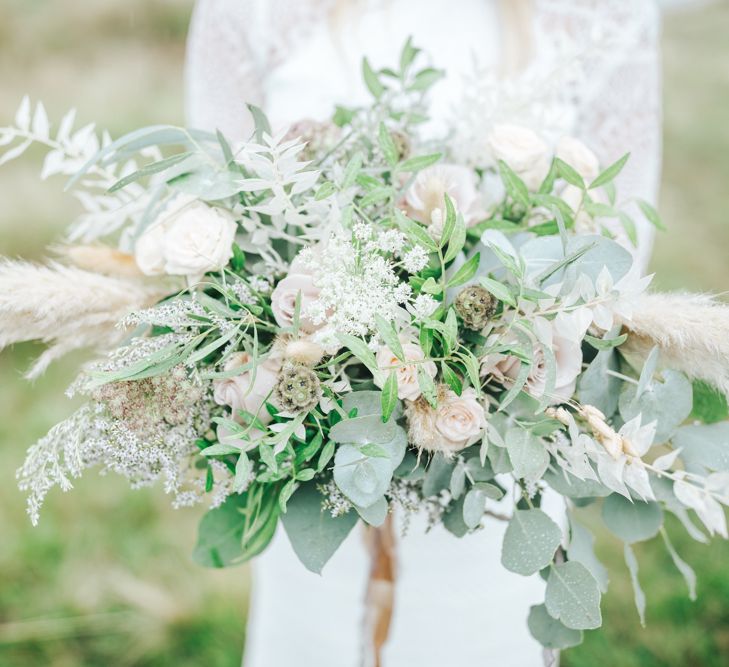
<point x="476" y="306"/>
<point x="298" y="388"/>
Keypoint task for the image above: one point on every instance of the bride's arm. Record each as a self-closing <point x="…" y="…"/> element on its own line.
<point x="223" y="69"/>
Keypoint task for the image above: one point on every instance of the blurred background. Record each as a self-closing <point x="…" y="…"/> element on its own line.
<point x="107" y="579"/>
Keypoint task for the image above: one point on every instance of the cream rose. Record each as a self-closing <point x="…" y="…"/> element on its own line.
<point x="425" y="199"/>
<point x="188" y="240"/>
<point x="579" y="157"/>
<point x="459" y="420"/>
<point x="523" y="151"/>
<point x="249" y="390"/>
<point x="283" y="300"/>
<point x="408" y="387"/>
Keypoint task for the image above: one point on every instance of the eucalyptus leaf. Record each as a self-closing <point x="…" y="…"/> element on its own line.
<point x="704" y="446"/>
<point x="375" y="514"/>
<point x="527" y="453"/>
<point x="474" y="505"/>
<point x="582" y="549"/>
<point x="314" y="534"/>
<point x="634" y="521"/>
<point x="438" y="475"/>
<point x="668" y="402"/>
<point x="573" y="596"/>
<point x="530" y="542"/>
<point x="550" y="632"/>
<point x="597" y="387"/>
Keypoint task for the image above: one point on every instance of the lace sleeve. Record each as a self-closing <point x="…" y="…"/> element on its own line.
<point x="223" y="69"/>
<point x="619" y="98"/>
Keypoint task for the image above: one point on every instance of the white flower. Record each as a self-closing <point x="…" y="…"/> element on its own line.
<point x="579" y="157"/>
<point x="415" y="259"/>
<point x="522" y="150"/>
<point x="423" y="306"/>
<point x="355" y="285"/>
<point x="407" y="375"/>
<point x="425" y="199"/>
<point x="189" y="240"/>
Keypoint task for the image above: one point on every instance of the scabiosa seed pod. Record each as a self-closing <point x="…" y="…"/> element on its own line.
<point x="476" y="306"/>
<point x="298" y="388"/>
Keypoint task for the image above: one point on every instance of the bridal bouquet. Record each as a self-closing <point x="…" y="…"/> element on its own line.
<point x="328" y="325"/>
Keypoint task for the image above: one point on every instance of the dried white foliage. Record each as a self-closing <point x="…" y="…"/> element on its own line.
<point x="69" y="149"/>
<point x="690" y="331"/>
<point x="66" y="307"/>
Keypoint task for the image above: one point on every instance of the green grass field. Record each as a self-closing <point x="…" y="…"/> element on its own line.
<point x="106" y="579"/>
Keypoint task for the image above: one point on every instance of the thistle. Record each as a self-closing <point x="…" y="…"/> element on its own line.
<point x="298" y="388"/>
<point x="476" y="306"/>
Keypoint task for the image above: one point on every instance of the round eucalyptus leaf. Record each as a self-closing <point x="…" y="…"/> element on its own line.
<point x="367" y="403"/>
<point x="704" y="445"/>
<point x="438" y="475"/>
<point x="527" y="453"/>
<point x="631" y="521"/>
<point x="375" y="514"/>
<point x="573" y="596"/>
<point x="604" y="253"/>
<point x="530" y="541"/>
<point x="550" y="632"/>
<point x="363" y="479"/>
<point x="668" y="403"/>
<point x="474" y="505"/>
<point x="315" y="534"/>
<point x="568" y="485"/>
<point x="361" y="430"/>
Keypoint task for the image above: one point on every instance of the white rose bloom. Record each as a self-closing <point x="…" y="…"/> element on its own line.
<point x="579" y="157"/>
<point x="189" y="240"/>
<point x="149" y="251"/>
<point x="523" y="151"/>
<point x="407" y="375"/>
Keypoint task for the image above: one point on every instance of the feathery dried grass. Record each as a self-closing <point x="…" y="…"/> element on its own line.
<point x="66" y="307"/>
<point x="691" y="331"/>
<point x="99" y="258"/>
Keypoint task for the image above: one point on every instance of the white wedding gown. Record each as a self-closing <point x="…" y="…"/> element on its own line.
<point x="454" y="602"/>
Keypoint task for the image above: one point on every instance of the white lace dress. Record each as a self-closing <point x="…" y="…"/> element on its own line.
<point x="595" y="75"/>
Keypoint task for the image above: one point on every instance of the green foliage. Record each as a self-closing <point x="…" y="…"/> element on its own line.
<point x="314" y="534"/>
<point x="530" y="542"/>
<point x="632" y="521"/>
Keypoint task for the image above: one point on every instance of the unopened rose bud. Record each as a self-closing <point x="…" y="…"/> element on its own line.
<point x="475" y="305"/>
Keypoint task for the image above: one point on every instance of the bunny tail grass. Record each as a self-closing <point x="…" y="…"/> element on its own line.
<point x="66" y="307"/>
<point x="690" y="330"/>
